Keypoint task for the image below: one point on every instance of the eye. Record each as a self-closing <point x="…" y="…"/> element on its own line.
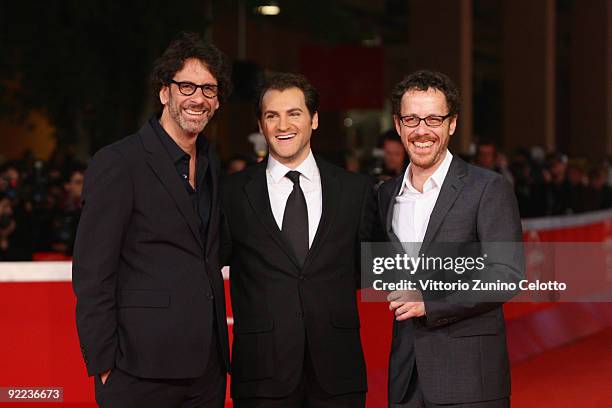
<point x="295" y="114"/>
<point x="187" y="86"/>
<point x="209" y="90"/>
<point x="434" y="120"/>
<point x="410" y="120"/>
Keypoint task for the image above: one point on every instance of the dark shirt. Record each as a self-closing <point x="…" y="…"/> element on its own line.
<point x="201" y="196"/>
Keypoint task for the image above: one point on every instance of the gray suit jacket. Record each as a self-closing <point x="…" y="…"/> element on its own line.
<point x="458" y="349"/>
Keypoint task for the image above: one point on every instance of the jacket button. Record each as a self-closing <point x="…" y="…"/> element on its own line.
<point x="300" y="315"/>
<point x="301" y="277"/>
<point x="443" y="321"/>
<point x="210" y="296"/>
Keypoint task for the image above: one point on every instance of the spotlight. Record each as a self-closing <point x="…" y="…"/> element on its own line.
<point x="270" y="9"/>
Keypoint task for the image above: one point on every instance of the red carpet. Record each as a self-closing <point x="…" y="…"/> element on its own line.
<point x="578" y="375"/>
<point x="41" y="348"/>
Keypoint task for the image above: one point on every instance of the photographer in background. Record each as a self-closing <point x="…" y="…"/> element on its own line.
<point x="68" y="213"/>
<point x="598" y="195"/>
<point x="10" y="248"/>
<point x="393" y="160"/>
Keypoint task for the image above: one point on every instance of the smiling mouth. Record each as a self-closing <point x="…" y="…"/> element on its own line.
<point x="195" y="112"/>
<point x="423" y="145"/>
<point x="285" y="137"/>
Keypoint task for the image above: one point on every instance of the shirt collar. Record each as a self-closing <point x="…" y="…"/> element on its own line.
<point x="278" y="170"/>
<point x="435" y="180"/>
<point x="173" y="149"/>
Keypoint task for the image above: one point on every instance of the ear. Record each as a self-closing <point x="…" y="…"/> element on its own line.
<point x="315" y="121"/>
<point x="259" y="124"/>
<point x="398" y="124"/>
<point x="453" y="125"/>
<point x="164" y="95"/>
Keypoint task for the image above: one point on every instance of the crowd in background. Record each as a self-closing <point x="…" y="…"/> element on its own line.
<point x="546" y="184"/>
<point x="40" y="202"/>
<point x="40" y="205"/>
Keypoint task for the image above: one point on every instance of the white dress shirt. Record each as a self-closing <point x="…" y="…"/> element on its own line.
<point x="412" y="208"/>
<point x="279" y="188"/>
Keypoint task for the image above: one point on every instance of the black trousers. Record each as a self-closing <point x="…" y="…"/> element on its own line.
<point x="414" y="398"/>
<point x="308" y="394"/>
<point x="125" y="390"/>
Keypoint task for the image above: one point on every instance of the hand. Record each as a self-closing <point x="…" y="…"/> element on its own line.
<point x="406" y="304"/>
<point x="104" y="376"/>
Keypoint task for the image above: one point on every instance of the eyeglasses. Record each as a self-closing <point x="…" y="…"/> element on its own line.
<point x="433" y="121"/>
<point x="189" y="88"/>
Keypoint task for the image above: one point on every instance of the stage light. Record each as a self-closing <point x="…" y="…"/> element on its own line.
<point x="269" y="10"/>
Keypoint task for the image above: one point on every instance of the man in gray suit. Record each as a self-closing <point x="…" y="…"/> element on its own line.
<point x="446" y="353"/>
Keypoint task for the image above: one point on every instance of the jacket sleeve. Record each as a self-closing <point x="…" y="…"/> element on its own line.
<point x="370" y="230"/>
<point x="225" y="246"/>
<point x="107" y="206"/>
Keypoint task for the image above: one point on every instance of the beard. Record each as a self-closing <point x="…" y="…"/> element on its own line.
<point x="186" y="123"/>
<point x="426" y="159"/>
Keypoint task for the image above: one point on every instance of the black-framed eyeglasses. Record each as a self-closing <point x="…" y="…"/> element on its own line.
<point x="433" y="121"/>
<point x="189" y="88"/>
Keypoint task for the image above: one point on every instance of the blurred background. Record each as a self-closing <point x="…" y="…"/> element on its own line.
<point x="536" y="90"/>
<point x="535" y="78"/>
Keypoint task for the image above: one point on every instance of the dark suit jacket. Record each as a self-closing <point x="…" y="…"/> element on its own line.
<point x="277" y="305"/>
<point x="145" y="285"/>
<point x="459" y="349"/>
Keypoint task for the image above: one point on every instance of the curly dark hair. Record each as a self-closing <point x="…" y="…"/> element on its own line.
<point x="190" y="45"/>
<point x="422" y="81"/>
<point x="281" y="81"/>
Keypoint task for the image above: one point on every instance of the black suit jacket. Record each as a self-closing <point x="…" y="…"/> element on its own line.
<point x="459" y="348"/>
<point x="279" y="307"/>
<point x="145" y="285"/>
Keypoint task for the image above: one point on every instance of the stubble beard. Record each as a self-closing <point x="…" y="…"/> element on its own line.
<point x="188" y="125"/>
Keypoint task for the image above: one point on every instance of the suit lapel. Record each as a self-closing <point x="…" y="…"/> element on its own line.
<point x="214" y="177"/>
<point x="389" y="219"/>
<point x="257" y="193"/>
<point x="451" y="187"/>
<point x="331" y="191"/>
<point x="162" y="166"/>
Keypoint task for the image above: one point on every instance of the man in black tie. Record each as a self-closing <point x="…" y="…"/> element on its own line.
<point x="295" y="219"/>
<point x="293" y="229"/>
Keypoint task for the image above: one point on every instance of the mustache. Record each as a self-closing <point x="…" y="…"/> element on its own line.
<point x="201" y="106"/>
<point x="422" y="139"/>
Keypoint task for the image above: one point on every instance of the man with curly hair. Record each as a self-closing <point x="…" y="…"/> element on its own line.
<point x="447" y="351"/>
<point x="150" y="297"/>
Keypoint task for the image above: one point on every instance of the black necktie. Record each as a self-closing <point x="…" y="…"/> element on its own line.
<point x="295" y="219"/>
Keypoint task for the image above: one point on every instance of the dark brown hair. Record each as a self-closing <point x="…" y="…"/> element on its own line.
<point x="422" y="81"/>
<point x="281" y="81"/>
<point x="189" y="45"/>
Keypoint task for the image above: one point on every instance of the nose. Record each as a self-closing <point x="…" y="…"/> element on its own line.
<point x="422" y="128"/>
<point x="198" y="97"/>
<point x="283" y="122"/>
